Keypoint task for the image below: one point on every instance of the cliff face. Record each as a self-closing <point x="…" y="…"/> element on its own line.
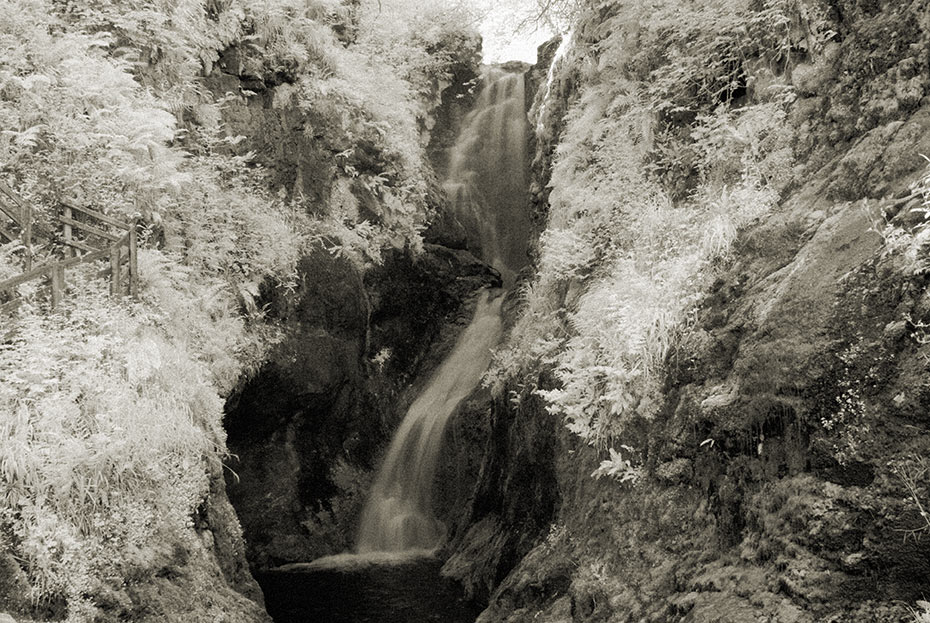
<point x="775" y="470"/>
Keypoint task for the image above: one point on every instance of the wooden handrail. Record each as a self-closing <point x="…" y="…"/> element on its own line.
<point x="100" y="216"/>
<point x="27" y="236"/>
<point x="57" y="275"/>
<point x="99" y="254"/>
<point x="49" y="267"/>
<point x="6" y="233"/>
<point x="9" y="192"/>
<point x="77" y="244"/>
<point x="124" y="241"/>
<point x="121" y="250"/>
<point x="23" y="277"/>
<point x="13" y="215"/>
<point x="90" y="229"/>
<point x="133" y="261"/>
<point x="9" y="306"/>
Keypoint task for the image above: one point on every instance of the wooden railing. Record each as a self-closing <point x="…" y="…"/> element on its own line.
<point x="83" y="230"/>
<point x="21" y="215"/>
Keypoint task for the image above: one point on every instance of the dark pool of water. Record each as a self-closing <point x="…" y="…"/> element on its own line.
<point x="365" y="589"/>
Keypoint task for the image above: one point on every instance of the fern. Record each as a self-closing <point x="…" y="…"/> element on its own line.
<point x="626" y="255"/>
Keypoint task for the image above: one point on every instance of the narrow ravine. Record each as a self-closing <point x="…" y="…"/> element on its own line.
<point x="393" y="574"/>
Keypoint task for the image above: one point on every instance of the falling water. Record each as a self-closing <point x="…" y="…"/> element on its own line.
<point x="399" y="515"/>
<point x="487" y="186"/>
<point x="487" y="174"/>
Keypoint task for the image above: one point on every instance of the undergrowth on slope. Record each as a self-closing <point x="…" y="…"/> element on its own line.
<point x="110" y="413"/>
<point x="108" y="423"/>
<point x="909" y="246"/>
<point x="625" y="252"/>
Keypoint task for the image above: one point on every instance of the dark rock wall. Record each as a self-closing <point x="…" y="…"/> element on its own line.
<point x="457" y="96"/>
<point x="303" y="393"/>
<point x="515" y="497"/>
<point x="547" y="105"/>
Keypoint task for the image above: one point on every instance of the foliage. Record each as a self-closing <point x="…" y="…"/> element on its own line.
<point x="76" y="121"/>
<point x="618" y="468"/>
<point x="111" y="413"/>
<point x="922" y="615"/>
<point x="107" y="426"/>
<point x="849" y="421"/>
<point x="624" y="251"/>
<point x="371" y="102"/>
<point x="698" y="55"/>
<point x="909" y="246"/>
<point x="168" y="41"/>
<point x="291" y="37"/>
<point x="557" y="14"/>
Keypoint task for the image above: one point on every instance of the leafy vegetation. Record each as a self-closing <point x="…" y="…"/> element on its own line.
<point x="907" y="239"/>
<point x="664" y="158"/>
<point x="110" y="414"/>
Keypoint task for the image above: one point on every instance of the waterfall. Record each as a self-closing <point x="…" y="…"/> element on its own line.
<point x="487" y="174"/>
<point x="486" y="185"/>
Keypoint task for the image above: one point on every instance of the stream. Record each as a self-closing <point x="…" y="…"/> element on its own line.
<point x="393" y="574"/>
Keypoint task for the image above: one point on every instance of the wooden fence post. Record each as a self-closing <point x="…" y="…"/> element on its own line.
<point x="114" y="270"/>
<point x="133" y="259"/>
<point x="27" y="235"/>
<point x="57" y="274"/>
<point x="69" y="252"/>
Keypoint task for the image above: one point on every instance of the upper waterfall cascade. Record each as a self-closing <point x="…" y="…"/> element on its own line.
<point x="487" y="179"/>
<point x="486" y="184"/>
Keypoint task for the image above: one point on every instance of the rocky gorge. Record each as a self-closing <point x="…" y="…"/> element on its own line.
<point x="710" y="400"/>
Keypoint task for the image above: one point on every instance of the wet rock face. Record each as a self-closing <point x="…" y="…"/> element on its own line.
<point x="308" y="428"/>
<point x="296" y="146"/>
<point x="457" y="97"/>
<point x="805" y="434"/>
<point x="516" y="496"/>
<point x="550" y="103"/>
<point x="275" y="421"/>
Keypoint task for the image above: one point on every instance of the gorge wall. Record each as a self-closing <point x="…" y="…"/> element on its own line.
<point x="776" y="469"/>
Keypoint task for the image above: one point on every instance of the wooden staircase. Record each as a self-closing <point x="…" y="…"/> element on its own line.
<point x="85" y="236"/>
